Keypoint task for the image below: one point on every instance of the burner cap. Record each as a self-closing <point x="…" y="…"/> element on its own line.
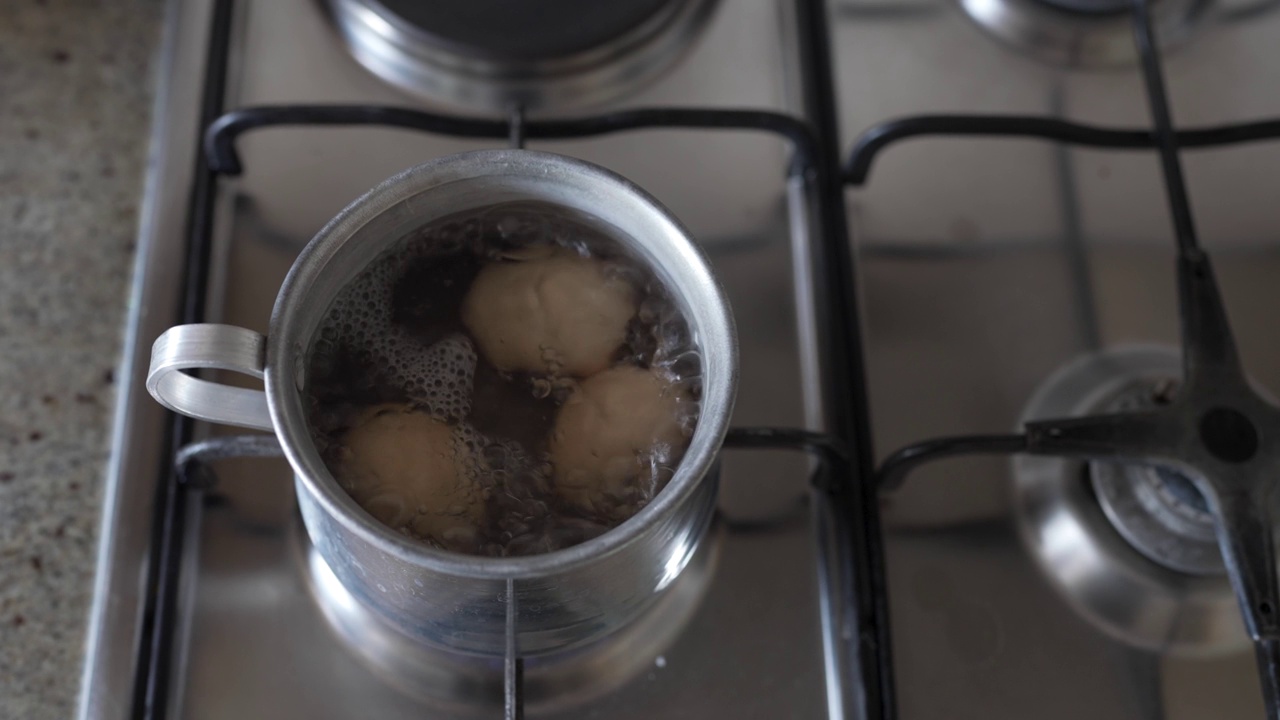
<point x="506" y="30"/>
<point x="1159" y="511"/>
<point x="491" y="54"/>
<point x="1131" y="548"/>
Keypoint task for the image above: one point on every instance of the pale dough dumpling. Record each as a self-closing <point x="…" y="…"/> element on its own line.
<point x="609" y="431"/>
<point x="412" y="473"/>
<point x="556" y="314"/>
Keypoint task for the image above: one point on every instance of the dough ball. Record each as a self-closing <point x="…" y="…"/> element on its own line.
<point x="556" y="314"/>
<point x="414" y="474"/>
<point x="617" y="429"/>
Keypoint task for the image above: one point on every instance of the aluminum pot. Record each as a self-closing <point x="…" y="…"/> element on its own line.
<point x="563" y="599"/>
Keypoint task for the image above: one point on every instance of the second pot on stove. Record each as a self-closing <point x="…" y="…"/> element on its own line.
<point x="564" y="598"/>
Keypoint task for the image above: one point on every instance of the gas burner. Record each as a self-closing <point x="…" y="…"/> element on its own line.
<point x="472" y="686"/>
<point x="1131" y="547"/>
<point x="492" y="55"/>
<point x="1159" y="511"/>
<point x="1081" y="33"/>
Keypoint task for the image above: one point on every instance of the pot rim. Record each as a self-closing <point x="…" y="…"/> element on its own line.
<point x="716" y="336"/>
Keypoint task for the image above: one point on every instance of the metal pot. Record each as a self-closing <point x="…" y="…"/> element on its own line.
<point x="563" y="599"/>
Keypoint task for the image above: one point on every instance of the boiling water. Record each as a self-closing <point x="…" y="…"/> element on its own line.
<point x="395" y="354"/>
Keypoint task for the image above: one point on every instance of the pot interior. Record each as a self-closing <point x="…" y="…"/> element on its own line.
<point x="472" y="181"/>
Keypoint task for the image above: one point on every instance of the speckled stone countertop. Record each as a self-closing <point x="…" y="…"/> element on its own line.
<point x="76" y="79"/>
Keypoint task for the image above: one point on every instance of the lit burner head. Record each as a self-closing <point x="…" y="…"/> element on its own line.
<point x="1131" y="548"/>
<point x="1081" y="33"/>
<point x="494" y="54"/>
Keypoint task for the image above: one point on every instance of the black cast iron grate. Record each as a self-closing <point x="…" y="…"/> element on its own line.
<point x="1219" y="431"/>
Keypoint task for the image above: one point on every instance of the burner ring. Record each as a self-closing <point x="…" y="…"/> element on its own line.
<point x="1088" y="34"/>
<point x="457" y="65"/>
<point x="1159" y="511"/>
<point x="1111" y="581"/>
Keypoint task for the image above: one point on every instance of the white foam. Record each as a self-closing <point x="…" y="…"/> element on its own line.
<point x="438" y="378"/>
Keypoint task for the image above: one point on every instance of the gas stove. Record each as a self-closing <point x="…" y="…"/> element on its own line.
<point x="944" y="229"/>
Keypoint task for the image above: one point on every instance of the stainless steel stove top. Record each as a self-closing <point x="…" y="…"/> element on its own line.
<point x="984" y="267"/>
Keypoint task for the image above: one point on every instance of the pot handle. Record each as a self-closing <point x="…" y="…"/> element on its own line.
<point x="223" y="347"/>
